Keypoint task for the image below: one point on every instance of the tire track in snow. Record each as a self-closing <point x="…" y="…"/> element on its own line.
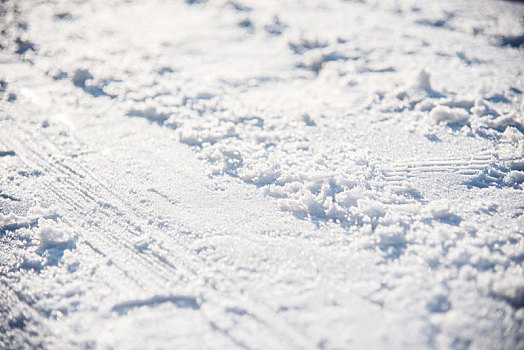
<point x="472" y="171"/>
<point x="403" y="170"/>
<point x="147" y="270"/>
<point x="62" y="191"/>
<point x="152" y="264"/>
<point x="61" y="195"/>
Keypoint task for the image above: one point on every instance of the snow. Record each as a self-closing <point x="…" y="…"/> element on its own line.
<point x="244" y="174"/>
<point x="450" y="116"/>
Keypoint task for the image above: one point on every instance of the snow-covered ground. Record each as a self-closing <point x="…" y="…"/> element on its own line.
<point x="261" y="174"/>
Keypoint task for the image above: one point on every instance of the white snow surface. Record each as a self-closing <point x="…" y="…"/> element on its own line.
<point x="302" y="174"/>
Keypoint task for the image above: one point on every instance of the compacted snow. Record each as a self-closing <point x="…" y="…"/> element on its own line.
<point x="261" y="174"/>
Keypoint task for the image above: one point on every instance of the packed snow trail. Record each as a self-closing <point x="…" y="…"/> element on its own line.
<point x="226" y="174"/>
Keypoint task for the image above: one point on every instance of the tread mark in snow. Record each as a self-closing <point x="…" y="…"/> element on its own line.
<point x="73" y="182"/>
<point x="400" y="171"/>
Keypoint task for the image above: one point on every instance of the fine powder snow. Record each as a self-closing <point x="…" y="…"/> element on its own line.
<point x="319" y="174"/>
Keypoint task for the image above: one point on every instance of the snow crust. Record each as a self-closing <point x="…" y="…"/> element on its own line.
<point x="245" y="174"/>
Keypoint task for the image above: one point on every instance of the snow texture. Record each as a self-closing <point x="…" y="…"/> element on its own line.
<point x="261" y="174"/>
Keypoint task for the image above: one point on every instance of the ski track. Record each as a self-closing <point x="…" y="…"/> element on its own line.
<point x="225" y="174"/>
